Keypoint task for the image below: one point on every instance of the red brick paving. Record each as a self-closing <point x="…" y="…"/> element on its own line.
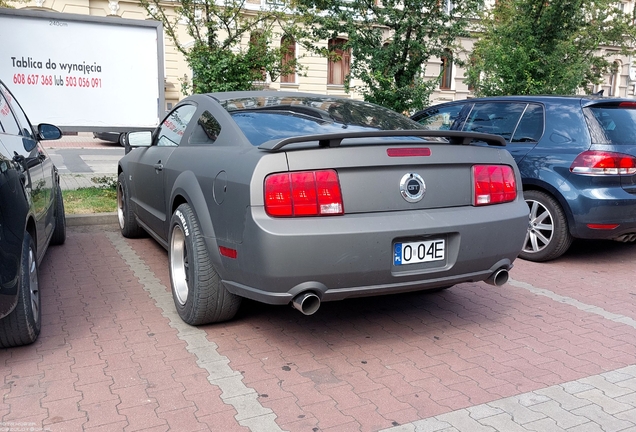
<point x="108" y="360"/>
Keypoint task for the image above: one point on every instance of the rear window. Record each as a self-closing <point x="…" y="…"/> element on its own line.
<point x="611" y="124"/>
<point x="269" y="118"/>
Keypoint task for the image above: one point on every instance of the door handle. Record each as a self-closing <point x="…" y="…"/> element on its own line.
<point x="158" y="166"/>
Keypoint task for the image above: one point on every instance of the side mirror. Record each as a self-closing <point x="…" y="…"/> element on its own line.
<point x="139" y="139"/>
<point x="49" y="132"/>
<point x="131" y="140"/>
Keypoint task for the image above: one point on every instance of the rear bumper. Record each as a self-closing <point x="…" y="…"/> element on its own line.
<point x="352" y="256"/>
<point x="603" y="206"/>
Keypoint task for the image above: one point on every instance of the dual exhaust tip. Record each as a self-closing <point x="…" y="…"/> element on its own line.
<point x="499" y="277"/>
<point x="308" y="303"/>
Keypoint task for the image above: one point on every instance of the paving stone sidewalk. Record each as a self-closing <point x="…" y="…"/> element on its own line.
<point x="553" y="350"/>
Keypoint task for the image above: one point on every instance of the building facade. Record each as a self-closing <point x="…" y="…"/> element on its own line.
<point x="318" y="75"/>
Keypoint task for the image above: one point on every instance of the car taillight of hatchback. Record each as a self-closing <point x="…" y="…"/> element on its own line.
<point x="596" y="163"/>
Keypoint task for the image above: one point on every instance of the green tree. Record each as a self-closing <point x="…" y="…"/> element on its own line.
<point x="11" y="3"/>
<point x="390" y="42"/>
<point x="216" y="47"/>
<point x="548" y="46"/>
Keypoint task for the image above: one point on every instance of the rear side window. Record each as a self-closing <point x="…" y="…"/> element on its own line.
<point x="25" y="129"/>
<point x="206" y="131"/>
<point x="8" y="124"/>
<point x="440" y="118"/>
<point x="531" y="126"/>
<point x="612" y="124"/>
<point x="499" y="118"/>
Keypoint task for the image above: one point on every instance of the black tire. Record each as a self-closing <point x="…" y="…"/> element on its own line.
<point x="199" y="295"/>
<point x="22" y="326"/>
<point x="127" y="223"/>
<point x="59" y="233"/>
<point x="548" y="236"/>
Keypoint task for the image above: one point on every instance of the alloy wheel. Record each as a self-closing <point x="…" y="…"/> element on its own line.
<point x="540" y="228"/>
<point x="179" y="265"/>
<point x="120" y="206"/>
<point x="34" y="289"/>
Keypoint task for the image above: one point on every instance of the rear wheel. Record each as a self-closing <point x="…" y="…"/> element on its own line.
<point x="548" y="236"/>
<point x="198" y="293"/>
<point x="59" y="234"/>
<point x="126" y="218"/>
<point x="22" y="326"/>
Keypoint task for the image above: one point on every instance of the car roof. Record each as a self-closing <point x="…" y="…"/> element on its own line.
<point x="563" y="99"/>
<point x="225" y="96"/>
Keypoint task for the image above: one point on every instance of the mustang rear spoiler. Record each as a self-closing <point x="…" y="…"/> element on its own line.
<point x="335" y="139"/>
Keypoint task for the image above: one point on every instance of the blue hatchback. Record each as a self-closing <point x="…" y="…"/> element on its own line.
<point x="577" y="157"/>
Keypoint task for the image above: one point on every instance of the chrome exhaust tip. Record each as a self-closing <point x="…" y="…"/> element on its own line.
<point x="499" y="277"/>
<point x="307" y="302"/>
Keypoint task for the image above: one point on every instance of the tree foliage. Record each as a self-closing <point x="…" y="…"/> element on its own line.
<point x="390" y="42"/>
<point x="11" y="3"/>
<point x="547" y="46"/>
<point x="227" y="47"/>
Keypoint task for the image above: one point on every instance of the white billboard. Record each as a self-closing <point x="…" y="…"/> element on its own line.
<point x="83" y="73"/>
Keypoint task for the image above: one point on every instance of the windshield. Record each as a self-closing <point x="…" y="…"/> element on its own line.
<point x="267" y="118"/>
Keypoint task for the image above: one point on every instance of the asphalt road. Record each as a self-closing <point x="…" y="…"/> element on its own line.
<point x="79" y="159"/>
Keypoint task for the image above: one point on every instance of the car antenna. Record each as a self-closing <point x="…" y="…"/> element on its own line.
<point x="599" y="93"/>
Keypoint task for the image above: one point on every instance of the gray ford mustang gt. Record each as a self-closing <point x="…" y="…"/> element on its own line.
<point x="293" y="198"/>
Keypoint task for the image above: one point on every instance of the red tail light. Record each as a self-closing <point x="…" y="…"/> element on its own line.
<point x="603" y="163"/>
<point x="494" y="184"/>
<point x="303" y="193"/>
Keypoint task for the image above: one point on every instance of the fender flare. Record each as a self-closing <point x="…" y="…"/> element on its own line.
<point x="186" y="189"/>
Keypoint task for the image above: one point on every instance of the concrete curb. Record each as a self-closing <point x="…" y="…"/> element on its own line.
<point x="91" y="219"/>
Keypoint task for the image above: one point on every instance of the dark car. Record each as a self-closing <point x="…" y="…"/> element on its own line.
<point x="31" y="218"/>
<point x="577" y="157"/>
<point x="111" y="137"/>
<point x="298" y="198"/>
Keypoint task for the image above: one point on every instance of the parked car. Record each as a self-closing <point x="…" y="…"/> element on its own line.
<point x="111" y="137"/>
<point x="31" y="218"/>
<point x="577" y="157"/>
<point x="298" y="198"/>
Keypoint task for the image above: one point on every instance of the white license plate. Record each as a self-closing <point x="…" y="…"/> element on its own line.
<point x="419" y="252"/>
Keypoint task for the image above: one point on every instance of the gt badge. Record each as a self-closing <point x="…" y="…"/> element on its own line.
<point x="412" y="187"/>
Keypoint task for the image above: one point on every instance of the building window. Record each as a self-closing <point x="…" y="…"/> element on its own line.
<point x="447" y="70"/>
<point x="288" y="46"/>
<point x="615" y="79"/>
<point x="339" y="69"/>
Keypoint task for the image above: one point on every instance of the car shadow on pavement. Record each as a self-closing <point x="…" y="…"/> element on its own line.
<point x="595" y="250"/>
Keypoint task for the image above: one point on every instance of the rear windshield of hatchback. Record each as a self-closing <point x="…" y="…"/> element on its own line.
<point x="612" y="125"/>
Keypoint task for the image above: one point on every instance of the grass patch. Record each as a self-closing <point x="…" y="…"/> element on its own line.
<point x="98" y="199"/>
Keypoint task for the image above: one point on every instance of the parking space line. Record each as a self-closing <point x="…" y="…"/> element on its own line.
<point x="622" y="319"/>
<point x="250" y="412"/>
<point x="553" y="405"/>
